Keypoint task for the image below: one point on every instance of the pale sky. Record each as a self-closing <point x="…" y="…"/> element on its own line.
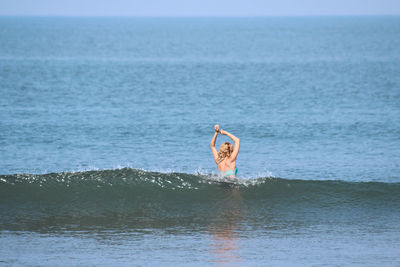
<point x="198" y="7"/>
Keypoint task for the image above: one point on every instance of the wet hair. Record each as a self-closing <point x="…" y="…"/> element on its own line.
<point x="225" y="150"/>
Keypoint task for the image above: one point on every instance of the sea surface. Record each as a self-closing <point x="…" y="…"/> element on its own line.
<point x="105" y="126"/>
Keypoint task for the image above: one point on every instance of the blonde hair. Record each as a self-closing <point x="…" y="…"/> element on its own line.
<point x="225" y="150"/>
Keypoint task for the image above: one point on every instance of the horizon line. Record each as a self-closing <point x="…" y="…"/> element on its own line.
<point x="206" y="16"/>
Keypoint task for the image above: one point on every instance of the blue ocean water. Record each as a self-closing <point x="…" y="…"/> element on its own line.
<point x="105" y="125"/>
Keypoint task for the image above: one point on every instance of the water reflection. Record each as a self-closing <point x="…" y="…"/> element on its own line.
<point x="224" y="230"/>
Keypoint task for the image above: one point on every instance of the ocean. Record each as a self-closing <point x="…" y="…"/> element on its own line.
<point x="105" y="130"/>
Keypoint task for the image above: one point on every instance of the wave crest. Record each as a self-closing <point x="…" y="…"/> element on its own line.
<point x="136" y="198"/>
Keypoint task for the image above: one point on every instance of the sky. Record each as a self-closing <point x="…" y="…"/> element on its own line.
<point x="198" y="7"/>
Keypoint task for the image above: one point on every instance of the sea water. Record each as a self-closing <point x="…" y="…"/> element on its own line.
<point x="105" y="125"/>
